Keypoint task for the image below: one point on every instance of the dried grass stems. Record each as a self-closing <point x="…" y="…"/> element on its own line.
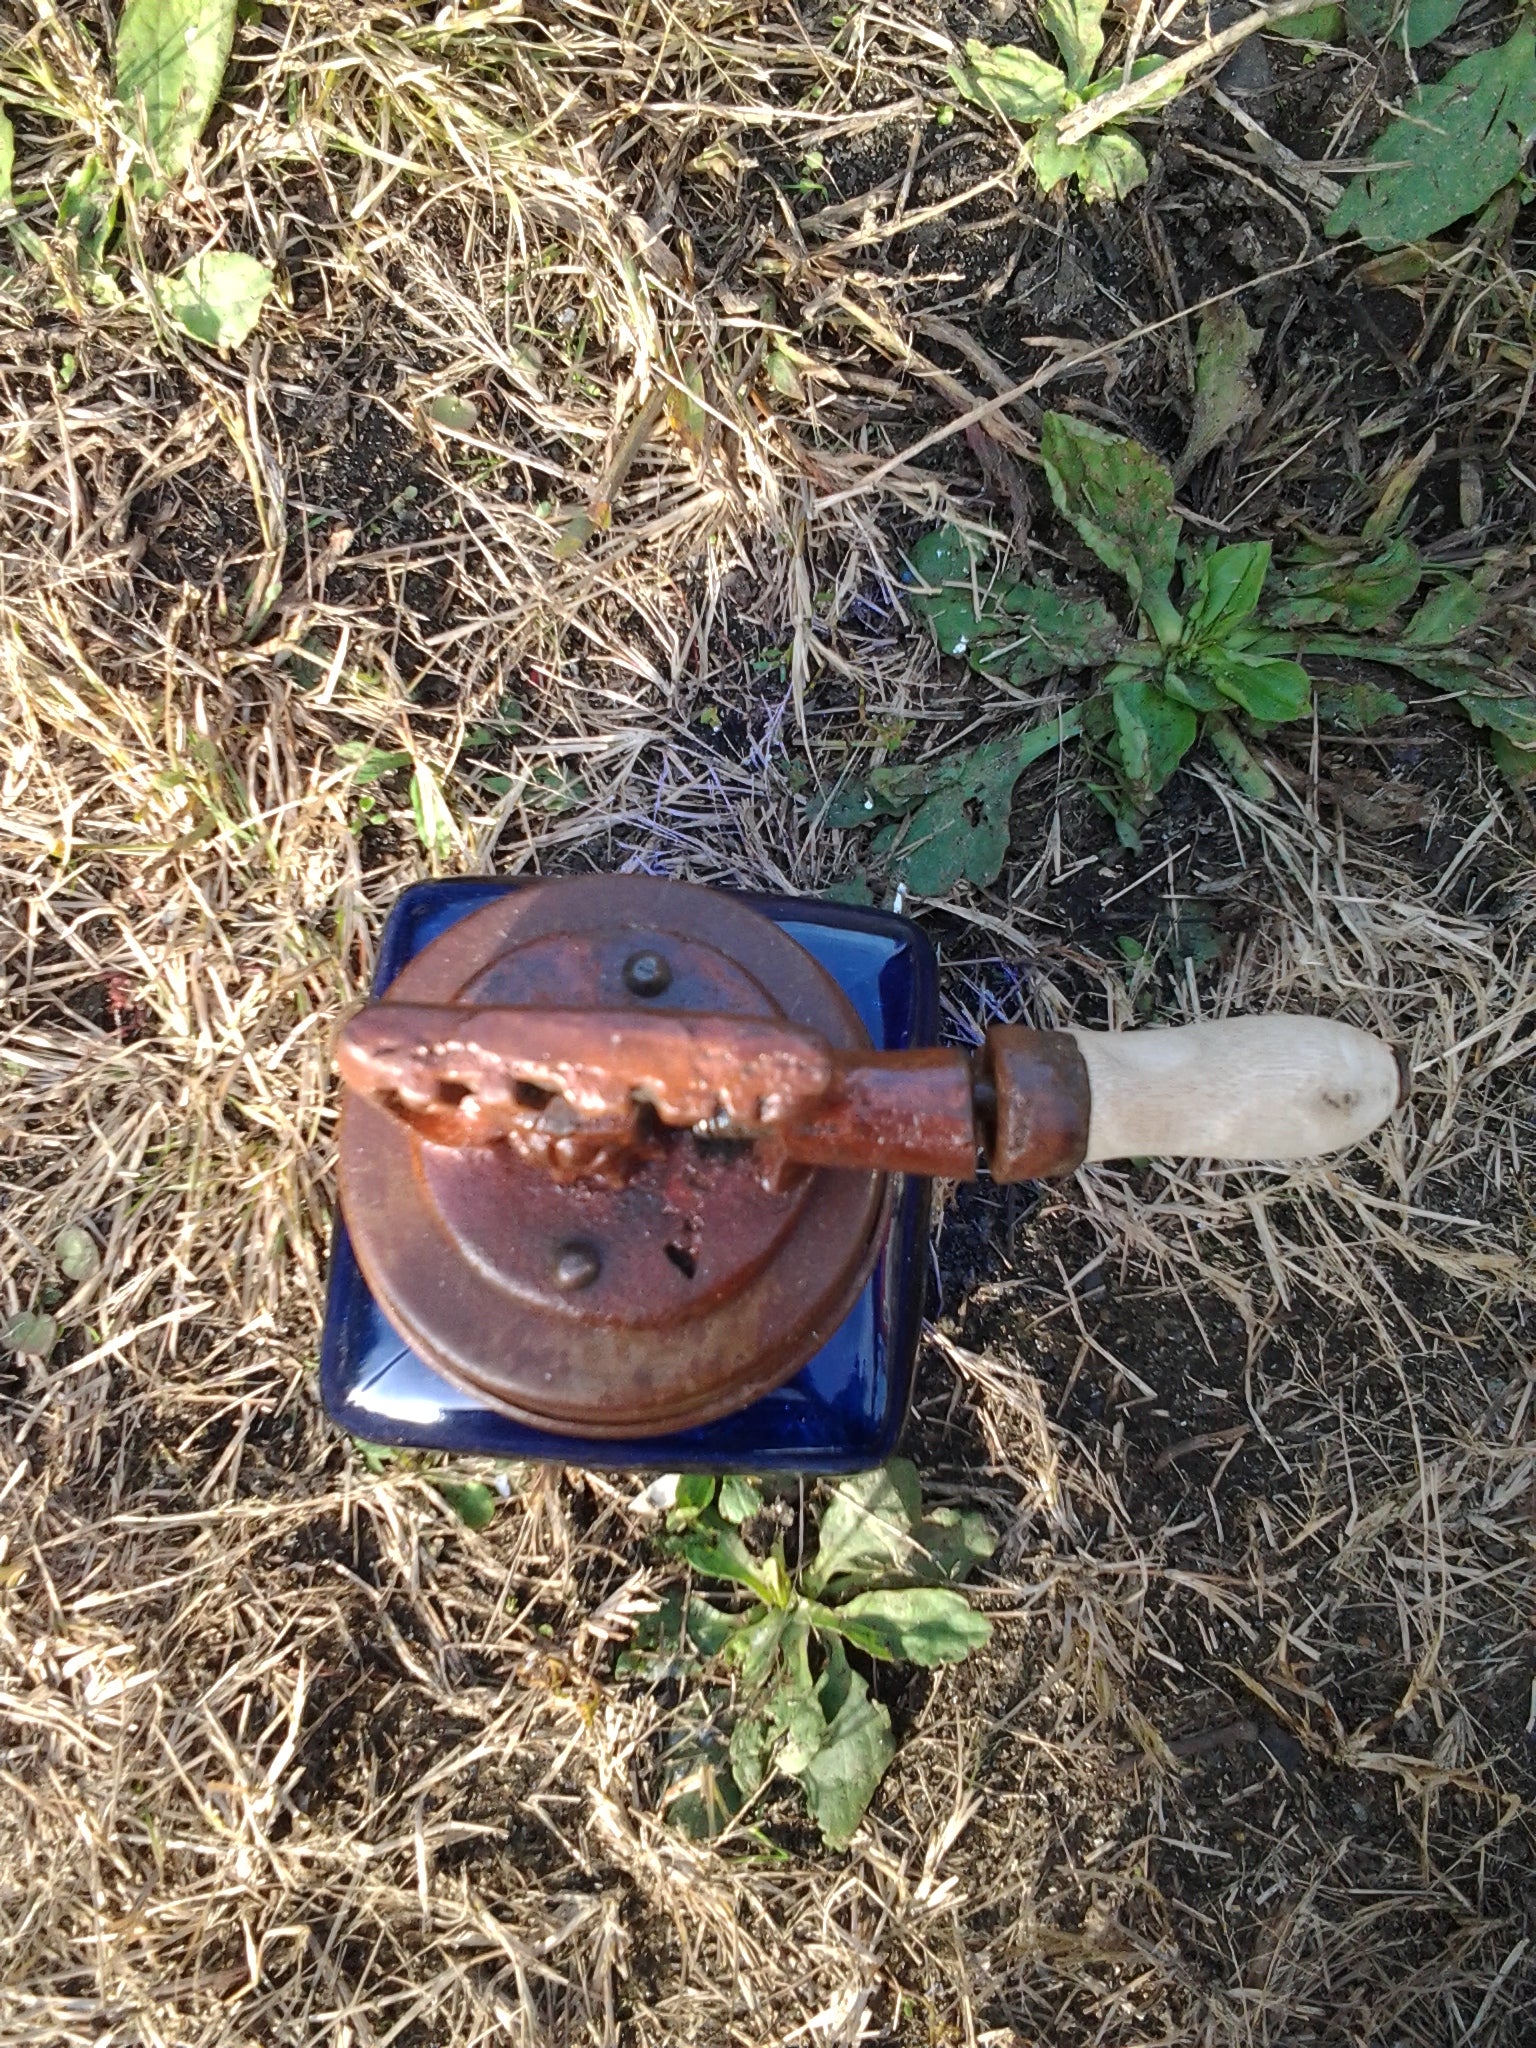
<point x="286" y="1754"/>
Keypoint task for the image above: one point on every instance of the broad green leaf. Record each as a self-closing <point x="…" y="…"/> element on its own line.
<point x="171" y="56"/>
<point x="718" y="1551"/>
<point x="1053" y="633"/>
<point x="1187" y="683"/>
<point x="1225" y="591"/>
<point x="31" y="1332"/>
<point x="1426" y="19"/>
<point x="429" y="809"/>
<point x="1075" y="27"/>
<point x="740" y="1498"/>
<point x="1387" y="21"/>
<point x="1323" y="24"/>
<point x="754" y="1649"/>
<point x="709" y="1630"/>
<point x="217" y="297"/>
<point x="953" y="1542"/>
<point x="1052" y="159"/>
<point x="1112" y="166"/>
<point x="909" y="1624"/>
<point x="1446" y="615"/>
<point x="473" y="1502"/>
<point x="961" y="832"/>
<point x="751" y="1751"/>
<point x="1250" y="775"/>
<point x="691" y="1496"/>
<point x="1356" y="707"/>
<point x="1012" y="81"/>
<point x="1269" y="690"/>
<point x="957" y="602"/>
<point x="1516" y="764"/>
<point x="1120" y="500"/>
<point x="1226" y="397"/>
<point x="840" y="1780"/>
<point x="1456" y="143"/>
<point x="668" y="1642"/>
<point x="1510" y="713"/>
<point x="866" y="1527"/>
<point x="77" y="1252"/>
<point x="1152" y="734"/>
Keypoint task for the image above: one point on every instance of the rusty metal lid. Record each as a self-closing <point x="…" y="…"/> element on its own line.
<point x="600" y="1270"/>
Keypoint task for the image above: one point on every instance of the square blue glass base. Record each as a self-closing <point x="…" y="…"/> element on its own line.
<point x="844" y="1409"/>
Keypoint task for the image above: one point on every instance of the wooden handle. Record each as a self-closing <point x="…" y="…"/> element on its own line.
<point x="1254" y="1088"/>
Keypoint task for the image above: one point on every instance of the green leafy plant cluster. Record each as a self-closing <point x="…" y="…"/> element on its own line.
<point x="1222" y="636"/>
<point x="883" y="1580"/>
<point x="170" y="57"/>
<point x="1034" y="94"/>
<point x="470" y="1499"/>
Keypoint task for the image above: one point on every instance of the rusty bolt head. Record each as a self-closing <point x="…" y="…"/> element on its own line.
<point x="647" y="974"/>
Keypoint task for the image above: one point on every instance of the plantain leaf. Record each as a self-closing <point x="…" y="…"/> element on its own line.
<point x="1319" y="588"/>
<point x="840" y="1780"/>
<point x="171" y="56"/>
<point x="77" y="1252"/>
<point x="912" y="1624"/>
<point x="717" y="1550"/>
<point x="89" y="209"/>
<point x="960" y="833"/>
<point x="217" y="297"/>
<point x="1454" y="145"/>
<point x="867" y="1526"/>
<point x="1075" y="27"/>
<point x="31" y="1332"/>
<point x="1269" y="690"/>
<point x="1224" y="591"/>
<point x="1152" y="733"/>
<point x="1112" y="166"/>
<point x="1120" y="500"/>
<point x="1011" y="81"/>
<point x="1455" y="608"/>
<point x="740" y="1498"/>
<point x="1356" y="707"/>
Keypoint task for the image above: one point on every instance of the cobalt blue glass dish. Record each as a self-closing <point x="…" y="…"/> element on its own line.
<point x="845" y="1407"/>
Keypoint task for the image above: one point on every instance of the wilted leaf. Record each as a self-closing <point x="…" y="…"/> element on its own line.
<point x="1250" y="774"/>
<point x="473" y="1502"/>
<point x="700" y="1797"/>
<point x="1318" y="588"/>
<point x="217" y="298"/>
<point x="1112" y="166"/>
<point x="911" y="1624"/>
<point x="1074" y="26"/>
<point x="31" y="1332"/>
<point x="88" y="209"/>
<point x="1226" y="397"/>
<point x="77" y="1252"/>
<point x="840" y="1780"/>
<point x="1120" y="500"/>
<point x="1053" y="633"/>
<point x="687" y="411"/>
<point x="171" y="56"/>
<point x="7" y="160"/>
<point x="783" y="376"/>
<point x="1152" y="733"/>
<point x="429" y="809"/>
<point x="1356" y="707"/>
<point x="1456" y="143"/>
<point x="1012" y="81"/>
<point x="961" y="831"/>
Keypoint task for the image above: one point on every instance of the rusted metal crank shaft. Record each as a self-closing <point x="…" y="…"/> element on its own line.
<point x="586" y="1093"/>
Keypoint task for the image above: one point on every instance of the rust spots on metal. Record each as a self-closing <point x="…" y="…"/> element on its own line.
<point x="616" y="1154"/>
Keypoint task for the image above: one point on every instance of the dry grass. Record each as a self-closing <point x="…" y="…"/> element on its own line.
<point x="286" y="1754"/>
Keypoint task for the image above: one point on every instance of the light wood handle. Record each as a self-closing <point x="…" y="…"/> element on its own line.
<point x="1254" y="1088"/>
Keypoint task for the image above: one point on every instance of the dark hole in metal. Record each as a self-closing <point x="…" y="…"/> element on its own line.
<point x="451" y="1094"/>
<point x="527" y="1096"/>
<point x="683" y="1259"/>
